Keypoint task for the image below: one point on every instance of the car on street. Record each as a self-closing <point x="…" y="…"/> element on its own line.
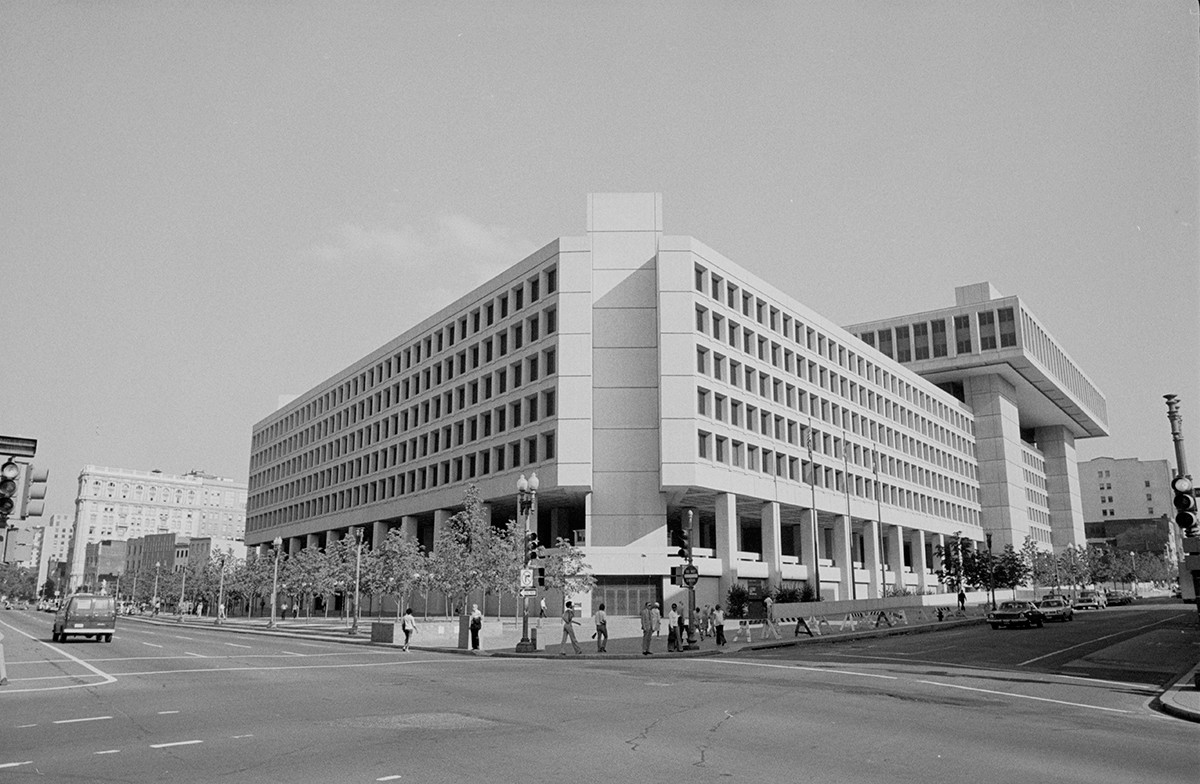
<point x="1016" y="613"/>
<point x="1056" y="609"/>
<point x="1090" y="600"/>
<point x="86" y="615"/>
<point x="1116" y="598"/>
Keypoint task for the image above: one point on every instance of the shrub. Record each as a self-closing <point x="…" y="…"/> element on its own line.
<point x="736" y="600"/>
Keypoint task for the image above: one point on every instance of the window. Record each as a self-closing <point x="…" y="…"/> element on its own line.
<point x="548" y="446"/>
<point x="548" y="402"/>
<point x="551" y="281"/>
<point x="702" y="444"/>
<point x="920" y="341"/>
<point x="1008" y="328"/>
<point x="885" y="342"/>
<point x="962" y="334"/>
<point x="987" y="330"/>
<point x="903" y="345"/>
<point x="938" y="328"/>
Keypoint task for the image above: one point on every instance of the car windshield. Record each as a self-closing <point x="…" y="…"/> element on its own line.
<point x="1013" y="606"/>
<point x="1052" y="603"/>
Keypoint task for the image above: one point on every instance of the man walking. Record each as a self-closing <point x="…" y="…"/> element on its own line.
<point x="569" y="623"/>
<point x="718" y="616"/>
<point x="647" y="627"/>
<point x="771" y="628"/>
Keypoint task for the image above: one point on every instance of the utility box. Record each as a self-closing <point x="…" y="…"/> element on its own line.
<point x="387" y="631"/>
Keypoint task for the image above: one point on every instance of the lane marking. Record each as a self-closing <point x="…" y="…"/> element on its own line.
<point x="235" y="645"/>
<point x="181" y="637"/>
<point x="390" y="778"/>
<point x="310" y="645"/>
<point x="107" y="678"/>
<point x="1097" y="639"/>
<point x="110" y="751"/>
<point x="304" y="667"/>
<point x="76" y="721"/>
<point x="176" y="743"/>
<point x="237" y="737"/>
<point x="292" y="653"/>
<point x="810" y="669"/>
<point x="152" y="645"/>
<point x="1023" y="696"/>
<point x="24" y="726"/>
<point x="15" y="764"/>
<point x="197" y="655"/>
<point x="166" y="713"/>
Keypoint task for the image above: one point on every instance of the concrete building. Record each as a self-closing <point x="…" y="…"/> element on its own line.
<point x="1029" y="399"/>
<point x="104" y="565"/>
<point x="649" y="381"/>
<point x="55" y="545"/>
<point x="120" y="504"/>
<point x="1128" y="503"/>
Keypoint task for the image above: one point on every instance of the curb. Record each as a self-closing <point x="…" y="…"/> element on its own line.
<point x="1169" y="700"/>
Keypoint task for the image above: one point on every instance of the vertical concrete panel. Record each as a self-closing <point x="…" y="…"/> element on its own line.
<point x="771" y="537"/>
<point x="727" y="539"/>
<point x="873" y="559"/>
<point x="841" y="555"/>
<point x="893" y="540"/>
<point x="919" y="565"/>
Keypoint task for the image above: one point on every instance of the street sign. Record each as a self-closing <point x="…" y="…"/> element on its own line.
<point x="526" y="578"/>
<point x="527" y="592"/>
<point x="691" y="575"/>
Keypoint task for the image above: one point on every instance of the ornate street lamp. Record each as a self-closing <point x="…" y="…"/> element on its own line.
<point x="221" y="592"/>
<point x="358" y="537"/>
<point x="277" y="543"/>
<point x="526" y="508"/>
<point x="991" y="572"/>
<point x="154" y="599"/>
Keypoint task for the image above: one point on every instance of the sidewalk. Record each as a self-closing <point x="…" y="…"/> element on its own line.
<point x="1182" y="698"/>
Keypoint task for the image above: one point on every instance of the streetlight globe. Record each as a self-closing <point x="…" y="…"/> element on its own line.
<point x="522" y="484"/>
<point x="277" y="542"/>
<point x="533" y="481"/>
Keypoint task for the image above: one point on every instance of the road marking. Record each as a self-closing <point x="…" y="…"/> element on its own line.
<point x="176" y="743"/>
<point x="235" y="645"/>
<point x="110" y="751"/>
<point x="1023" y="696"/>
<point x="292" y="653"/>
<point x="390" y="778"/>
<point x="282" y="667"/>
<point x="237" y="737"/>
<point x="15" y="764"/>
<point x="152" y="645"/>
<point x="807" y="669"/>
<point x="107" y="678"/>
<point x="76" y="721"/>
<point x="197" y="655"/>
<point x="310" y="645"/>
<point x="166" y="713"/>
<point x="1097" y="639"/>
<point x="181" y="637"/>
<point x="24" y="726"/>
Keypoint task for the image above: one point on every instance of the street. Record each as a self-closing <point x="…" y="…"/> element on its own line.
<point x="205" y="704"/>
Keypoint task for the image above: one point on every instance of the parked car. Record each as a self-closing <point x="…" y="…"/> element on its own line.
<point x="1120" y="597"/>
<point x="1016" y="613"/>
<point x="1090" y="600"/>
<point x="1047" y="597"/>
<point x="1056" y="610"/>
<point x="86" y="614"/>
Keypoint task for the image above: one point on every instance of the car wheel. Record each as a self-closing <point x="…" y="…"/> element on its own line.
<point x="108" y="638"/>
<point x="1039" y="624"/>
<point x="54" y="637"/>
<point x="995" y="626"/>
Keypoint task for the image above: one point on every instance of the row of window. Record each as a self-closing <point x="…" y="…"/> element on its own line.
<point x="926" y="339"/>
<point x="1056" y="361"/>
<point x="738" y="454"/>
<point x="164" y="495"/>
<point x="430" y="378"/>
<point x="421" y="349"/>
<point x="730" y="410"/>
<point x="514" y="414"/>
<point x="793" y="330"/>
<point x="527" y="451"/>
<point x="428" y="412"/>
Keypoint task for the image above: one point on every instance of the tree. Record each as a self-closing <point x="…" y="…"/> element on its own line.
<point x="1011" y="570"/>
<point x="303" y="574"/>
<point x="953" y="569"/>
<point x="395" y="565"/>
<point x="566" y="569"/>
<point x="1074" y="566"/>
<point x="462" y="559"/>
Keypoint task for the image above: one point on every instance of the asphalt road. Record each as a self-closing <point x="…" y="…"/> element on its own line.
<point x="167" y="704"/>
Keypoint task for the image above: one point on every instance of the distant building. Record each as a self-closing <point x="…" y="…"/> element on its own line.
<point x="103" y="565"/>
<point x="118" y="504"/>
<point x="55" y="546"/>
<point x="1127" y="503"/>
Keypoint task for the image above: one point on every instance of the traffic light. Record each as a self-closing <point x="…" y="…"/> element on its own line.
<point x="676" y="575"/>
<point x="32" y="504"/>
<point x="685" y="540"/>
<point x="8" y="486"/>
<point x="539" y="574"/>
<point x="1185" y="504"/>
<point x="531" y="547"/>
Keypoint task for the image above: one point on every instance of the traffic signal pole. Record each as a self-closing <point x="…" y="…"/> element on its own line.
<point x="1176" y="420"/>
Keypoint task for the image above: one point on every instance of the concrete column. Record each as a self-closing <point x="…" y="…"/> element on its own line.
<point x="727" y="539"/>
<point x="440" y="516"/>
<point x="379" y="531"/>
<point x="1062" y="489"/>
<point x="312" y="541"/>
<point x="918" y="555"/>
<point x="841" y="555"/>
<point x="771" y="539"/>
<point x="873" y="559"/>
<point x="587" y="519"/>
<point x="939" y="540"/>
<point x="292" y="545"/>
<point x="893" y="541"/>
<point x="408" y="527"/>
<point x="998" y="448"/>
<point x="810" y="548"/>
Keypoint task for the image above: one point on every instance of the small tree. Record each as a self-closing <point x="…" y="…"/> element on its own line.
<point x="567" y="569"/>
<point x="1011" y="569"/>
<point x="395" y="564"/>
<point x="1073" y="564"/>
<point x="953" y="568"/>
<point x="737" y="601"/>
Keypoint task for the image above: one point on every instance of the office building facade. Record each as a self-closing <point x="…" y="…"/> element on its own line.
<point x="1128" y="504"/>
<point x="651" y="383"/>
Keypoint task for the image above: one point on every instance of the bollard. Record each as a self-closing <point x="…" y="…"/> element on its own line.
<point x="3" y="669"/>
<point x="533" y="637"/>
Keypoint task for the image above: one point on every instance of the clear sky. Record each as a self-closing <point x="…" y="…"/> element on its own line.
<point x="207" y="205"/>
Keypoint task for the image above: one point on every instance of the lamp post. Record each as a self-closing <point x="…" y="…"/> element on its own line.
<point x="526" y="508"/>
<point x="182" y="589"/>
<point x="689" y="539"/>
<point x="358" y="536"/>
<point x="221" y="593"/>
<point x="154" y="598"/>
<point x="277" y="543"/>
<point x="1133" y="570"/>
<point x="991" y="572"/>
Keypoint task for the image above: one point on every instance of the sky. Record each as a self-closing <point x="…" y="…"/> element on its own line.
<point x="205" y="206"/>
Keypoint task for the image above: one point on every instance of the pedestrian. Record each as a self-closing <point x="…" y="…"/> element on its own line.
<point x="542" y="608"/>
<point x="409" y="624"/>
<point x="962" y="600"/>
<point x="601" y="634"/>
<point x="569" y="624"/>
<point x="656" y="618"/>
<point x="718" y="618"/>
<point x="476" y="625"/>
<point x="221" y="611"/>
<point x="772" y="628"/>
<point x="647" y="627"/>
<point x="673" y="629"/>
<point x="705" y="620"/>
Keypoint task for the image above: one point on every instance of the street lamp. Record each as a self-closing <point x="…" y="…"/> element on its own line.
<point x="1133" y="575"/>
<point x="182" y="589"/>
<point x="526" y="508"/>
<point x="991" y="572"/>
<point x="358" y="537"/>
<point x="221" y="592"/>
<point x="277" y="543"/>
<point x="154" y="598"/>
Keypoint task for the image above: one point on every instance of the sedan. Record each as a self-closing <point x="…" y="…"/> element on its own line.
<point x="1056" y="610"/>
<point x="1016" y="614"/>
<point x="1090" y="600"/>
